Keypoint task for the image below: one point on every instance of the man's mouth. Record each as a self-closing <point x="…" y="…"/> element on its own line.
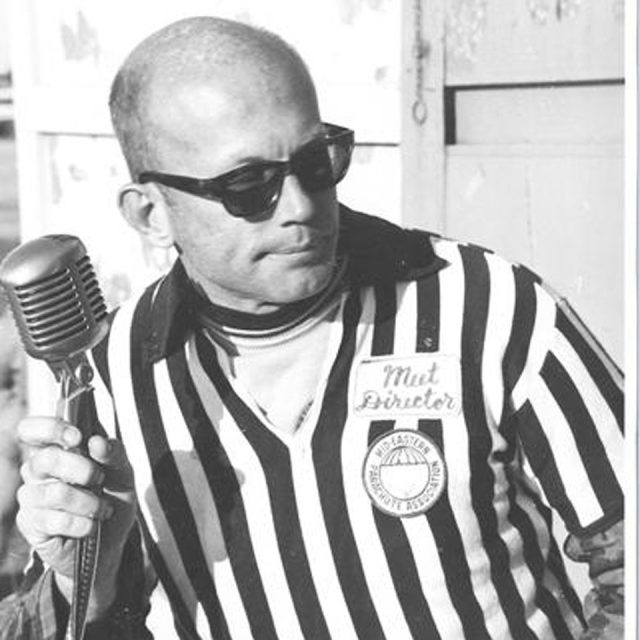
<point x="314" y="244"/>
<point x="299" y="248"/>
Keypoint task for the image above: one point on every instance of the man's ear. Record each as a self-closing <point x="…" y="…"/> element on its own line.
<point x="144" y="208"/>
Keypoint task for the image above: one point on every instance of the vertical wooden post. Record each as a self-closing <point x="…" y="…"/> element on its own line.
<point x="422" y="145"/>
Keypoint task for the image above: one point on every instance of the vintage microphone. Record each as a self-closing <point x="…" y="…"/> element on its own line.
<point x="60" y="314"/>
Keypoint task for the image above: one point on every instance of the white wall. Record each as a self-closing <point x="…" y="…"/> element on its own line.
<point x="4" y="37"/>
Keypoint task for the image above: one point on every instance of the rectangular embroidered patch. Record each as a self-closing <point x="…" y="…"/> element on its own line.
<point x="427" y="385"/>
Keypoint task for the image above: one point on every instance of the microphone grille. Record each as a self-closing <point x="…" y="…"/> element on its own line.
<point x="54" y="296"/>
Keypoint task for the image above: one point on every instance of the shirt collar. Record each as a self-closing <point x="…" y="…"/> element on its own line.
<point x="376" y="251"/>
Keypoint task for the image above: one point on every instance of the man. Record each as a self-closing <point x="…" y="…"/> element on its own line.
<point x="337" y="428"/>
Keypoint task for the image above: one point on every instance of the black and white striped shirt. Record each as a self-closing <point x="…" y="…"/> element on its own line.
<point x="256" y="533"/>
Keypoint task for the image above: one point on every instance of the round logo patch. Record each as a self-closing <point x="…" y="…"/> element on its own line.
<point x="404" y="473"/>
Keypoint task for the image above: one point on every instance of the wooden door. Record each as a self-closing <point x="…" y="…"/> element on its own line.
<point x="523" y="146"/>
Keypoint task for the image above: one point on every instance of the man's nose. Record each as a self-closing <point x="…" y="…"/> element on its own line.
<point x="296" y="204"/>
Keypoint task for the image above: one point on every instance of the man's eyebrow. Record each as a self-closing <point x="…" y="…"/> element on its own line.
<point x="241" y="161"/>
<point x="238" y="161"/>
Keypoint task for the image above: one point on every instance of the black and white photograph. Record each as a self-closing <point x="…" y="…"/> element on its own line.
<point x="387" y="396"/>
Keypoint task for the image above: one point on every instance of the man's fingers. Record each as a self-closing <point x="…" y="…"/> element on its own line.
<point x="38" y="525"/>
<point x="55" y="495"/>
<point x="41" y="431"/>
<point x="68" y="466"/>
<point x="111" y="455"/>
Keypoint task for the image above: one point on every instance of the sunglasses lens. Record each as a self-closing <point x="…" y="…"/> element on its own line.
<point x="340" y="159"/>
<point x="322" y="165"/>
<point x="252" y="190"/>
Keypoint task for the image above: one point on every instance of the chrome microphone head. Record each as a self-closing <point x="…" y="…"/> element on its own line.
<point x="54" y="296"/>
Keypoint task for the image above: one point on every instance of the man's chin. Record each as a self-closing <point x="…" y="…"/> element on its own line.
<point x="299" y="284"/>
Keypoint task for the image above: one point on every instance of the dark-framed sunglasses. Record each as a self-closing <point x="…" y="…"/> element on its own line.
<point x="255" y="188"/>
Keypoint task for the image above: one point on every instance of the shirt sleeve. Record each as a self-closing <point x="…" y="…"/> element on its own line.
<point x="30" y="613"/>
<point x="37" y="611"/>
<point x="568" y="404"/>
<point x="604" y="604"/>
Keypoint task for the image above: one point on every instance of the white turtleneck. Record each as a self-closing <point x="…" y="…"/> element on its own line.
<point x="280" y="368"/>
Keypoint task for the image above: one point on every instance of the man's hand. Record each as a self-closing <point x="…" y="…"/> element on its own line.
<point x="58" y="503"/>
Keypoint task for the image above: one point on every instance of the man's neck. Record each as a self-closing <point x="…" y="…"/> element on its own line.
<point x="237" y="321"/>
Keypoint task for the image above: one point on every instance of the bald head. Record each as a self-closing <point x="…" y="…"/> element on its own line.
<point x="227" y="56"/>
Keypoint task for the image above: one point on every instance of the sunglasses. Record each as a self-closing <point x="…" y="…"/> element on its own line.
<point x="255" y="189"/>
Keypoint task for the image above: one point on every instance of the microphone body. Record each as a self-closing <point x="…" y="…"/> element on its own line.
<point x="60" y="314"/>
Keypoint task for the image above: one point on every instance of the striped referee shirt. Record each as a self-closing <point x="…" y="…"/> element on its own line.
<point x="460" y="403"/>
